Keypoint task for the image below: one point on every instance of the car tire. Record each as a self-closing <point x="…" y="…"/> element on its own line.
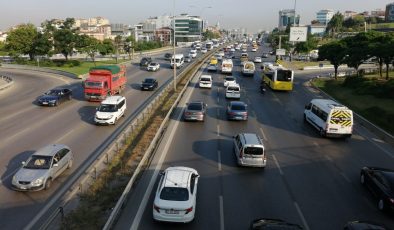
<point x="70" y="164"/>
<point x="322" y="132"/>
<point x="48" y="183"/>
<point x="381" y="205"/>
<point x="69" y="97"/>
<point x="56" y="103"/>
<point x="362" y="179"/>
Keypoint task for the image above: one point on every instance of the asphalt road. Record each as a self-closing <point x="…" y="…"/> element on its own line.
<point x="309" y="180"/>
<point x="25" y="127"/>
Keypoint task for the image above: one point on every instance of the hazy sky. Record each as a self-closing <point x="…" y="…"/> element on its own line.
<point x="251" y="14"/>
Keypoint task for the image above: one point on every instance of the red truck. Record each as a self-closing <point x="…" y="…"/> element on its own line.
<point x="104" y="81"/>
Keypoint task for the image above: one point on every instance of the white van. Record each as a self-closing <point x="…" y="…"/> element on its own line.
<point x="193" y="53"/>
<point x="179" y="60"/>
<point x="227" y="66"/>
<point x="249" y="150"/>
<point x="205" y="81"/>
<point x="110" y="110"/>
<point x="233" y="91"/>
<point x="248" y="68"/>
<point x="329" y="117"/>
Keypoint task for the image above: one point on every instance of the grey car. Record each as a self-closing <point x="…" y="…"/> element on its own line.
<point x="195" y="111"/>
<point x="42" y="167"/>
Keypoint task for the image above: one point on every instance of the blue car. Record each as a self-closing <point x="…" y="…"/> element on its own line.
<point x="237" y="110"/>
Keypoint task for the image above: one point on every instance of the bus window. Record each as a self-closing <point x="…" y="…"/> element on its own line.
<point x="283" y="75"/>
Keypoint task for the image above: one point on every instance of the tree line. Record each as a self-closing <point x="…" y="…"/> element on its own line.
<point x="354" y="50"/>
<point x="26" y="39"/>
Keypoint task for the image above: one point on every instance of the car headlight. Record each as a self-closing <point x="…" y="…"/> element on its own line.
<point x="111" y="116"/>
<point x="37" y="182"/>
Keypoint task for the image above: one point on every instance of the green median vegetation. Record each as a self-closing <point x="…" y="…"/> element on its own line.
<point x="370" y="96"/>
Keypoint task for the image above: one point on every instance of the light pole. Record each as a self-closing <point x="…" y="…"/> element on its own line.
<point x="202" y="20"/>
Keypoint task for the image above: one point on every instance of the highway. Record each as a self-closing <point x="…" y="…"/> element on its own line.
<point x="309" y="180"/>
<point x="25" y="127"/>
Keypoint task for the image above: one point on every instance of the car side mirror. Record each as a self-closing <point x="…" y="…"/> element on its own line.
<point x="23" y="162"/>
<point x="56" y="165"/>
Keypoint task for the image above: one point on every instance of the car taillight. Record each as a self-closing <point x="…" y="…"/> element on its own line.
<point x="187" y="113"/>
<point x="156" y="208"/>
<point x="188" y="210"/>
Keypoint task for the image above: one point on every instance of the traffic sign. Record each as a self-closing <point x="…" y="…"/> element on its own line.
<point x="298" y="34"/>
<point x="280" y="52"/>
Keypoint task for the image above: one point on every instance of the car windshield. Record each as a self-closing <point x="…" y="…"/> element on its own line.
<point x="149" y="80"/>
<point x="107" y="108"/>
<point x="152" y="64"/>
<point x="93" y="84"/>
<point x="205" y="79"/>
<point x="239" y="107"/>
<point x="253" y="151"/>
<point x="54" y="92"/>
<point x="38" y="162"/>
<point x="195" y="106"/>
<point x="174" y="194"/>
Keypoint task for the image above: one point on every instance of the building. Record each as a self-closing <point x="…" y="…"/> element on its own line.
<point x="119" y="29"/>
<point x="389" y="16"/>
<point x="188" y="28"/>
<point x="317" y="29"/>
<point x="324" y="16"/>
<point x="349" y="14"/>
<point x="163" y="35"/>
<point x="97" y="27"/>
<point x="288" y="17"/>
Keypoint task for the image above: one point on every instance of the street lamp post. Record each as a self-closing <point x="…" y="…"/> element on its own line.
<point x="173" y="57"/>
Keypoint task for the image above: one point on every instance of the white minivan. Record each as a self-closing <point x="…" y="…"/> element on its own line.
<point x="249" y="150"/>
<point x="110" y="110"/>
<point x="177" y="60"/>
<point x="233" y="91"/>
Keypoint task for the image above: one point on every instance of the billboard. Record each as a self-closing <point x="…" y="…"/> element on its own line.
<point x="298" y="34"/>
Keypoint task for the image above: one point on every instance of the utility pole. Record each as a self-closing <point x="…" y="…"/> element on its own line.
<point x="173" y="59"/>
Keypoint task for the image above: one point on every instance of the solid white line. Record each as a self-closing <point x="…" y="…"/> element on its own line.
<point x="328" y="158"/>
<point x="380" y="147"/>
<point x="218" y="98"/>
<point x="302" y="216"/>
<point x="262" y="132"/>
<point x="346" y="177"/>
<point x="218" y="130"/>
<point x="277" y="165"/>
<point x="219" y="161"/>
<point x="221" y="213"/>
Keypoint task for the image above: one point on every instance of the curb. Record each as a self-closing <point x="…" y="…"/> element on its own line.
<point x="9" y="81"/>
<point x="387" y="137"/>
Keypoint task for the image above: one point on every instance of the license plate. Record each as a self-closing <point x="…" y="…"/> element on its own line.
<point x="172" y="212"/>
<point x="145" y="88"/>
<point x="45" y="103"/>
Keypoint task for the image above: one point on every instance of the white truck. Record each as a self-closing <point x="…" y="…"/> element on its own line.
<point x="227" y="66"/>
<point x="248" y="68"/>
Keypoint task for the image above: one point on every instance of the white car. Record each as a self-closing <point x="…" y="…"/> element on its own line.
<point x="204" y="50"/>
<point x="193" y="53"/>
<point x="153" y="66"/>
<point x="205" y="81"/>
<point x="175" y="199"/>
<point x="232" y="50"/>
<point x="229" y="80"/>
<point x="212" y="67"/>
<point x="244" y="50"/>
<point x="257" y="60"/>
<point x="254" y="49"/>
<point x="110" y="110"/>
<point x="233" y="91"/>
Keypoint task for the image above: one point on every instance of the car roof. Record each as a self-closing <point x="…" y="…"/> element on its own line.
<point x="112" y="100"/>
<point x="178" y="176"/>
<point x="206" y="76"/>
<point x="50" y="150"/>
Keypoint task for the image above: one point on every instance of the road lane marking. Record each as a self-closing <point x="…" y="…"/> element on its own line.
<point x="221" y="213"/>
<point x="328" y="158"/>
<point x="302" y="216"/>
<point x="219" y="161"/>
<point x="68" y="133"/>
<point x="218" y="130"/>
<point x="316" y="144"/>
<point x="277" y="165"/>
<point x="262" y="132"/>
<point x="377" y="140"/>
<point x="8" y="176"/>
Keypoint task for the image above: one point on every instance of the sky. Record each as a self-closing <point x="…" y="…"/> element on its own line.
<point x="254" y="15"/>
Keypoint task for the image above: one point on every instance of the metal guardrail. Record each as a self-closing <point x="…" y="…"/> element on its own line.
<point x="9" y="81"/>
<point x="94" y="165"/>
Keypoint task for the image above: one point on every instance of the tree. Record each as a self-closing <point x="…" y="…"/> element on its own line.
<point x="377" y="47"/>
<point x="305" y="47"/>
<point x="106" y="47"/>
<point x="65" y="38"/>
<point x="387" y="51"/>
<point x="335" y="24"/>
<point x="42" y="45"/>
<point x="335" y="52"/>
<point x="21" y="39"/>
<point x="88" y="45"/>
<point x="357" y="51"/>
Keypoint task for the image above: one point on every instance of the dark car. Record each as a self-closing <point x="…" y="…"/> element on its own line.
<point x="55" y="96"/>
<point x="237" y="110"/>
<point x="145" y="61"/>
<point x="380" y="182"/>
<point x="274" y="224"/>
<point x="149" y="84"/>
<point x="195" y="111"/>
<point x="364" y="225"/>
<point x="167" y="56"/>
<point x="264" y="55"/>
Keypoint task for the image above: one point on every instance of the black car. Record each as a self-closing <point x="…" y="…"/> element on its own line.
<point x="380" y="182"/>
<point x="149" y="84"/>
<point x="266" y="224"/>
<point x="364" y="225"/>
<point x="145" y="61"/>
<point x="55" y="96"/>
<point x="167" y="56"/>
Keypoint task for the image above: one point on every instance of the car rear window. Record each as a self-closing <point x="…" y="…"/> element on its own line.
<point x="230" y="79"/>
<point x="194" y="107"/>
<point x="149" y="80"/>
<point x="233" y="88"/>
<point x="238" y="107"/>
<point x="253" y="151"/>
<point x="174" y="194"/>
<point x="205" y="79"/>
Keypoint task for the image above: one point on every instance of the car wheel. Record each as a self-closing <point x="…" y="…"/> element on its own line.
<point x="381" y="205"/>
<point x="362" y="179"/>
<point x="70" y="164"/>
<point x="116" y="120"/>
<point x="322" y="132"/>
<point x="56" y="103"/>
<point x="48" y="183"/>
<point x="69" y="97"/>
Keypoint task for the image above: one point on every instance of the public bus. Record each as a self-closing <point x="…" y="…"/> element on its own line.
<point x="277" y="77"/>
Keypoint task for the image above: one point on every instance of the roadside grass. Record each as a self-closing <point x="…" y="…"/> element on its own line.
<point x="379" y="111"/>
<point x="301" y="64"/>
<point x="96" y="204"/>
<point x="84" y="67"/>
